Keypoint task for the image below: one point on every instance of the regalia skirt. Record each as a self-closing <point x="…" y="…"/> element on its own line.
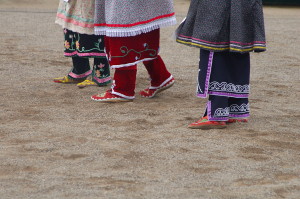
<point x="231" y="25"/>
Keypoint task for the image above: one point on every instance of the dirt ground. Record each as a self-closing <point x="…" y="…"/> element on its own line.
<point x="57" y="143"/>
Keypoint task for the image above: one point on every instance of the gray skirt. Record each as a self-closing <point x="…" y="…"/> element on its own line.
<point x="224" y="25"/>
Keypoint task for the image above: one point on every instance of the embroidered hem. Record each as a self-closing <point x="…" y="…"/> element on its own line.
<point x="103" y="80"/>
<point x="232" y="46"/>
<point x="75" y="26"/>
<point x="80" y="76"/>
<point x="210" y="117"/>
<point x="119" y="31"/>
<point x="76" y="53"/>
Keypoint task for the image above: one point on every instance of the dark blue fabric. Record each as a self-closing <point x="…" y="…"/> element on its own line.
<point x="228" y="74"/>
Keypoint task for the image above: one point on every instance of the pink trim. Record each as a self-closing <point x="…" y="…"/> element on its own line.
<point x="70" y="20"/>
<point x="81" y="75"/>
<point x="261" y="42"/>
<point x="71" y="54"/>
<point x="102" y="80"/>
<point x="136" y="24"/>
<point x="85" y="54"/>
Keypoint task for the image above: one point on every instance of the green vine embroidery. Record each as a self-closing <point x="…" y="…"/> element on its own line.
<point x="76" y="45"/>
<point x="126" y="51"/>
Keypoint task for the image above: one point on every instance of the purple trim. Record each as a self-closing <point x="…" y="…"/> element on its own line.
<point x="210" y="118"/>
<point x="259" y="42"/>
<point x="239" y="116"/>
<point x="75" y="76"/>
<point x="218" y="119"/>
<point x="85" y="54"/>
<point x="208" y="73"/>
<point x="102" y="80"/>
<point x="229" y="94"/>
<point x="208" y="106"/>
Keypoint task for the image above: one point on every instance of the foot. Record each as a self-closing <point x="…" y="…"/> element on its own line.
<point x="149" y="92"/>
<point x="67" y="80"/>
<point x="204" y="123"/>
<point x="236" y="120"/>
<point x="86" y="83"/>
<point x="109" y="97"/>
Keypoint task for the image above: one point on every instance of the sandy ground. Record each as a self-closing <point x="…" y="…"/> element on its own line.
<point x="57" y="143"/>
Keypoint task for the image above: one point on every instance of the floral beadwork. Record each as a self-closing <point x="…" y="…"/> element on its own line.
<point x="83" y="45"/>
<point x="67" y="45"/>
<point x="77" y="45"/>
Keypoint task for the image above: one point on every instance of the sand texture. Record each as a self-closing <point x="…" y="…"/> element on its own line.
<point x="57" y="143"/>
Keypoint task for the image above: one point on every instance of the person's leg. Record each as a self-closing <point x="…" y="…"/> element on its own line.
<point x="223" y="74"/>
<point x="124" y="82"/>
<point x="161" y="78"/>
<point x="101" y="72"/>
<point x="239" y="110"/>
<point x="157" y="71"/>
<point x="79" y="72"/>
<point x="216" y="113"/>
<point x="217" y="108"/>
<point x="124" y="53"/>
<point x="123" y="86"/>
<point x="81" y="66"/>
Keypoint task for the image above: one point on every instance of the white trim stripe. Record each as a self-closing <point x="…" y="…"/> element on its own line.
<point x="166" y="81"/>
<point x="121" y="95"/>
<point x="137" y="30"/>
<point x="131" y="64"/>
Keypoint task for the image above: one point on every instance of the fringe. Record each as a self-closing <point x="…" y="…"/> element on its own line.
<point x="133" y="31"/>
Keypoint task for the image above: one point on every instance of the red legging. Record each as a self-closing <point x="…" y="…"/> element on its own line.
<point x="125" y="77"/>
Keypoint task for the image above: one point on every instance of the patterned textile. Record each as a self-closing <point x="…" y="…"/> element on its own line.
<point x="220" y="108"/>
<point x="83" y="45"/>
<point x="81" y="70"/>
<point x="219" y="25"/>
<point x="76" y="15"/>
<point x="128" y="51"/>
<point x="224" y="74"/>
<point x="101" y="71"/>
<point x="120" y="18"/>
